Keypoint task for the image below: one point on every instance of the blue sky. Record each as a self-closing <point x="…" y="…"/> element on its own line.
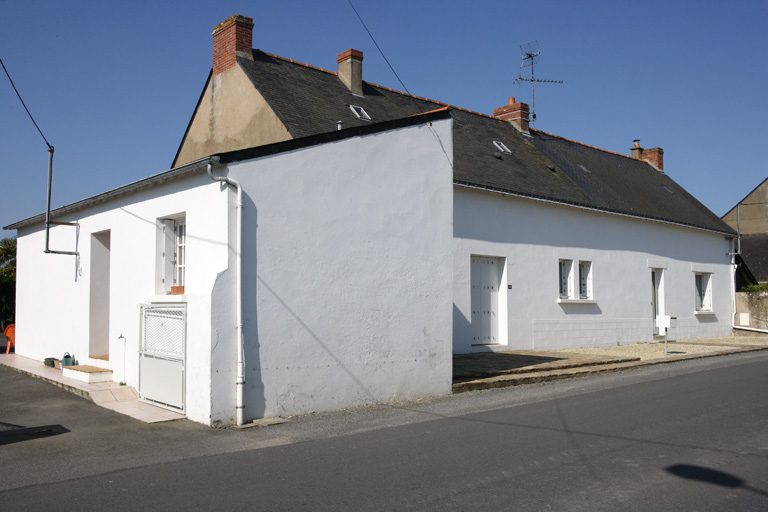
<point x="113" y="84"/>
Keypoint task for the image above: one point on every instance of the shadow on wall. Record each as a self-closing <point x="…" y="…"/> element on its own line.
<point x="462" y="328"/>
<point x="581" y="309"/>
<point x="323" y="345"/>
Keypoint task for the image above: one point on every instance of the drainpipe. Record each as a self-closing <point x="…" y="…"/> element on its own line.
<point x="733" y="300"/>
<point x="240" y="382"/>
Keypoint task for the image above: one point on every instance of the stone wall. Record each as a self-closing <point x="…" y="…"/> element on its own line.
<point x="754" y="304"/>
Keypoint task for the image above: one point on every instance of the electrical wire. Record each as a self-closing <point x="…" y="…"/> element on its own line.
<point x="378" y="48"/>
<point x="24" y="105"/>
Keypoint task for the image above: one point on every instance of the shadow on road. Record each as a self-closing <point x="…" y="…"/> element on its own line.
<point x="711" y="476"/>
<point x="15" y="433"/>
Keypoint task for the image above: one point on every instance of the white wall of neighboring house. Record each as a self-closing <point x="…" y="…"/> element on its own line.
<point x="347" y="274"/>
<point x="53" y="293"/>
<point x="530" y="237"/>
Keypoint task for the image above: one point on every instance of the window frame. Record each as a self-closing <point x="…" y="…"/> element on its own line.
<point x="702" y="286"/>
<point x="575" y="281"/>
<point x="565" y="271"/>
<point x="585" y="281"/>
<point x="171" y="256"/>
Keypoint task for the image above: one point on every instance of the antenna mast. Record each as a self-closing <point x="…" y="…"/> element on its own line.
<point x="530" y="55"/>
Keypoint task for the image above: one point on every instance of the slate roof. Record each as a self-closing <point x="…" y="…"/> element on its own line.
<point x="754" y="252"/>
<point x="310" y="101"/>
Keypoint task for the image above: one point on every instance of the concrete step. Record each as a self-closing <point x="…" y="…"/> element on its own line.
<point x="508" y="380"/>
<point x="97" y="361"/>
<point x="87" y="373"/>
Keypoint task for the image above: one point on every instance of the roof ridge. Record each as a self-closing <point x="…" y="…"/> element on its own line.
<point x="382" y="87"/>
<point x="588" y="145"/>
<point x="295" y="62"/>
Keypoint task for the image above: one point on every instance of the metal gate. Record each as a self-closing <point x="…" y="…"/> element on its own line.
<point x="162" y="355"/>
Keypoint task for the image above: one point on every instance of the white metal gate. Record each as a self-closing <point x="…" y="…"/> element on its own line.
<point x="162" y="355"/>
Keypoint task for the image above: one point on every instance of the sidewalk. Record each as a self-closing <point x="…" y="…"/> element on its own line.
<point x="488" y="370"/>
<point x="111" y="395"/>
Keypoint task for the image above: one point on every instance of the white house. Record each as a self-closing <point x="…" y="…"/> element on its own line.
<point x="322" y="242"/>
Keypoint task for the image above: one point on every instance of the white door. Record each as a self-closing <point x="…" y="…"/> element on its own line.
<point x="485" y="277"/>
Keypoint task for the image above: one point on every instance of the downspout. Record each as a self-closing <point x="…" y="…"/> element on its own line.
<point x="240" y="382"/>
<point x="733" y="295"/>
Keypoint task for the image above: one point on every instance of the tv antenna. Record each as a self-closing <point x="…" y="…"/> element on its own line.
<point x="530" y="55"/>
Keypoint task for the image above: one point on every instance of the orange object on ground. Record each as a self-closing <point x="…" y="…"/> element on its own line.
<point x="10" y="334"/>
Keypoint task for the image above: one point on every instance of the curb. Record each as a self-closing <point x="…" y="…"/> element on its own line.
<point x="538" y="376"/>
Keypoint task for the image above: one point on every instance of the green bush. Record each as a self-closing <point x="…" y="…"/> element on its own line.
<point x="755" y="288"/>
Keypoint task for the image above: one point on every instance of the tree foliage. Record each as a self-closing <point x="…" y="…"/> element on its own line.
<point x="7" y="281"/>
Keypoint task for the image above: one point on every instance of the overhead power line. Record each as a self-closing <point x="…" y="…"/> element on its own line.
<point x="378" y="48"/>
<point x="24" y="105"/>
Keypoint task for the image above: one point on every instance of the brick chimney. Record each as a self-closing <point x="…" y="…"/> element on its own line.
<point x="351" y="70"/>
<point x="654" y="156"/>
<point x="515" y="113"/>
<point x="232" y="38"/>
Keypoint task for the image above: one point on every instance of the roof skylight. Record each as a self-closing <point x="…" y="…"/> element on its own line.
<point x="584" y="169"/>
<point x="360" y="112"/>
<point x="501" y="147"/>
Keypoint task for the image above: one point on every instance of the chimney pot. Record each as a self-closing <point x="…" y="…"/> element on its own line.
<point x="351" y="70"/>
<point x="636" y="150"/>
<point x="232" y="38"/>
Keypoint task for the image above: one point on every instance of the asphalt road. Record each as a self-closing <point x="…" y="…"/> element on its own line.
<point x="684" y="436"/>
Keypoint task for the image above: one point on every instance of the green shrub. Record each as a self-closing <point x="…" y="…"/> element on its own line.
<point x="755" y="288"/>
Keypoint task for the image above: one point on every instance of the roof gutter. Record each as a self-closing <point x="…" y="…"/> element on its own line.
<point x="240" y="379"/>
<point x="110" y="194"/>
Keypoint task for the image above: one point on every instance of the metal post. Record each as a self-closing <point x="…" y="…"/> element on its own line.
<point x="48" y="205"/>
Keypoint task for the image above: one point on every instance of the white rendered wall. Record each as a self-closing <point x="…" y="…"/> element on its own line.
<point x="347" y="275"/>
<point x="534" y="235"/>
<point x="52" y="304"/>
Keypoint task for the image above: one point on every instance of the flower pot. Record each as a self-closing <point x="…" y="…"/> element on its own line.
<point x="177" y="290"/>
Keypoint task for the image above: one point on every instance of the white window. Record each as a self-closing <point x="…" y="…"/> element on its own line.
<point x="703" y="281"/>
<point x="566" y="287"/>
<point x="585" y="279"/>
<point x="501" y="147"/>
<point x="172" y="255"/>
<point x="360" y="112"/>
<point x="575" y="278"/>
<point x="181" y="253"/>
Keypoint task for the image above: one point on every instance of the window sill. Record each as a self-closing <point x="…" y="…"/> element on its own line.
<point x="705" y="312"/>
<point x="576" y="301"/>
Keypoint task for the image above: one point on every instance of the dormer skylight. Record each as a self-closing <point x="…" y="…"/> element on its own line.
<point x="360" y="112"/>
<point x="501" y="147"/>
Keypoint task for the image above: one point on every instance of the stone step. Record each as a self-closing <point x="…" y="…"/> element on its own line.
<point x="87" y="373"/>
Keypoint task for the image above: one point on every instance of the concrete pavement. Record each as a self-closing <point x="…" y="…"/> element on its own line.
<point x="488" y="370"/>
